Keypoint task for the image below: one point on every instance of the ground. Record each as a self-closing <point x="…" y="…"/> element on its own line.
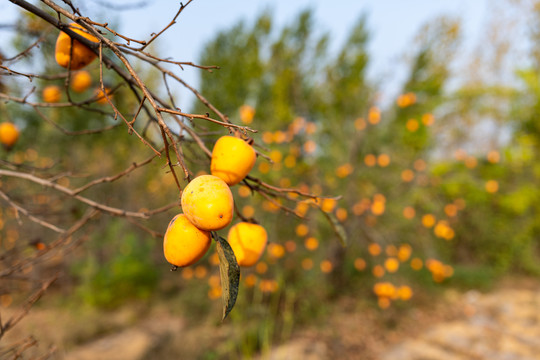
<point x="503" y="323"/>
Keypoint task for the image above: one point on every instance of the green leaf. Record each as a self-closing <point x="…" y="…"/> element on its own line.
<point x="230" y="275"/>
<point x="338" y="228"/>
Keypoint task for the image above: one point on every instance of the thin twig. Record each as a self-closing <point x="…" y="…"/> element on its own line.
<point x="94" y="204"/>
<point x="244" y="129"/>
<point x="74" y="133"/>
<point x="108" y="179"/>
<point x="26" y="308"/>
<point x="30" y="216"/>
<point x="173" y="21"/>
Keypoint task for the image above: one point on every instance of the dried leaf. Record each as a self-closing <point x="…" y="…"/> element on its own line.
<point x="230" y="275"/>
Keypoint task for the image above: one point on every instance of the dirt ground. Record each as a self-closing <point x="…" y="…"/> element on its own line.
<point x="503" y="323"/>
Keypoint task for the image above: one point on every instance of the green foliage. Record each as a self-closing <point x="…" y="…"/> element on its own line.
<point x="116" y="269"/>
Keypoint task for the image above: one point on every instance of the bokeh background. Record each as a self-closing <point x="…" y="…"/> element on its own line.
<point x="416" y="124"/>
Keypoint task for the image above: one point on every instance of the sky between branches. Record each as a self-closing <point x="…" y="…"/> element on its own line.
<point x="393" y="24"/>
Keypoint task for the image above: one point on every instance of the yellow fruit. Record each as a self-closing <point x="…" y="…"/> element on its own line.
<point x="492" y="186"/>
<point x="326" y="266"/>
<point x="9" y="134"/>
<point x="428" y="220"/>
<point x="208" y="203"/>
<point x="404" y="292"/>
<point x="81" y="54"/>
<point x="232" y="159"/>
<point x="384" y="289"/>
<point x="51" y="94"/>
<point x="81" y="81"/>
<point x="246" y="114"/>
<point x="248" y="242"/>
<point x="184" y="244"/>
<point x="311" y="243"/>
<point x="391" y="265"/>
<point x="100" y="95"/>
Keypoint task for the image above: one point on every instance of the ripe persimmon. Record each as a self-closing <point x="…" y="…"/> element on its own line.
<point x="184" y="244"/>
<point x="232" y="159"/>
<point x="100" y="95"/>
<point x="208" y="203"/>
<point x="81" y="55"/>
<point x="51" y="94"/>
<point x="248" y="242"/>
<point x="9" y="134"/>
<point x="81" y="81"/>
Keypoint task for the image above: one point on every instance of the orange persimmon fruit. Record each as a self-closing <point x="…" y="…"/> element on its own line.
<point x="248" y="242"/>
<point x="51" y="94"/>
<point x="9" y="134"/>
<point x="232" y="159"/>
<point x="207" y="202"/>
<point x="81" y="81"/>
<point x="81" y="55"/>
<point x="184" y="244"/>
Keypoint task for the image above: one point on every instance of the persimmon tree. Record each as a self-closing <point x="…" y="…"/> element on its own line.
<point x="51" y="202"/>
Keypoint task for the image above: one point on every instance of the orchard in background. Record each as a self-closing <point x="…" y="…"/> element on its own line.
<point x="329" y="188"/>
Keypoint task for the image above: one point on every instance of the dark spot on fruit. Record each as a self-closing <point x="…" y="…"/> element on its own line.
<point x="221" y="216"/>
<point x="192" y="192"/>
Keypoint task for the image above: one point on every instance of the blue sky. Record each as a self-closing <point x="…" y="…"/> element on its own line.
<point x="393" y="23"/>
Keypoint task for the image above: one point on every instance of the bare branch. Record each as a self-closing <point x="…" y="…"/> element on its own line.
<point x="108" y="179"/>
<point x="244" y="129"/>
<point x="26" y="308"/>
<point x="30" y="216"/>
<point x="173" y="21"/>
<point x="47" y="183"/>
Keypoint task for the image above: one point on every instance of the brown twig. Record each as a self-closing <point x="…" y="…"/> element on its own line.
<point x="108" y="179"/>
<point x="173" y="21"/>
<point x="92" y="203"/>
<point x="282" y="190"/>
<point x="244" y="129"/>
<point x="169" y="162"/>
<point x="74" y="133"/>
<point x="25" y="51"/>
<point x="106" y="26"/>
<point x="153" y="233"/>
<point x="116" y="112"/>
<point x="26" y="307"/>
<point x="30" y="216"/>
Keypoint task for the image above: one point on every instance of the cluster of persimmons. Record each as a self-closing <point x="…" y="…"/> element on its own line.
<point x="81" y="56"/>
<point x="208" y="205"/>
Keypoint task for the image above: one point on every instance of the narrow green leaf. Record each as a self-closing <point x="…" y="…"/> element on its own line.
<point x="338" y="228"/>
<point x="230" y="275"/>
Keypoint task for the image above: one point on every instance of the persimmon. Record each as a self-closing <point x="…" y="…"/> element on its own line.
<point x="391" y="264"/>
<point x="184" y="244"/>
<point x="208" y="203"/>
<point x="248" y="242"/>
<point x="9" y="134"/>
<point x="232" y="159"/>
<point x="100" y="95"/>
<point x="404" y="292"/>
<point x="81" y="55"/>
<point x="51" y="94"/>
<point x="384" y="289"/>
<point x="81" y="81"/>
